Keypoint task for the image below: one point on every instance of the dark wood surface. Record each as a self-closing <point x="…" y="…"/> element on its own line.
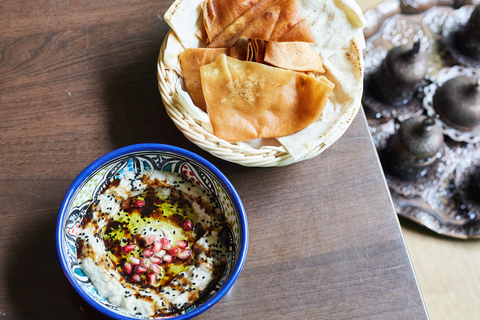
<point x="78" y="80"/>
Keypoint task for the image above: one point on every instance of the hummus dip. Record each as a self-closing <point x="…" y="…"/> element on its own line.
<point x="153" y="243"/>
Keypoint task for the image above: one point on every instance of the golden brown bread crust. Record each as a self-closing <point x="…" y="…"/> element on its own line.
<point x="269" y="20"/>
<point x="248" y="100"/>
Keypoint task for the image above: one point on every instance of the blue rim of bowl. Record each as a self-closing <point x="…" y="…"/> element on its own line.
<point x="164" y="148"/>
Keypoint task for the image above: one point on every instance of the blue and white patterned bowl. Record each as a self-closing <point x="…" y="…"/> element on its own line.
<point x="86" y="187"/>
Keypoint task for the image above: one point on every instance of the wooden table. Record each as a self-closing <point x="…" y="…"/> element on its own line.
<point x="78" y="79"/>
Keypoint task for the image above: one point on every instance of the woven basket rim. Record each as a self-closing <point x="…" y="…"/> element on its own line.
<point x="240" y="154"/>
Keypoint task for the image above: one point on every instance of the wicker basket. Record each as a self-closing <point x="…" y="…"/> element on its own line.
<point x="246" y="156"/>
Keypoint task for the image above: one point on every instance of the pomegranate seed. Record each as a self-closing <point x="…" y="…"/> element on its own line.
<point x="147" y="253"/>
<point x="160" y="253"/>
<point x="134" y="260"/>
<point x="152" y="279"/>
<point x="136" y="277"/>
<point x="156" y="260"/>
<point x="138" y="203"/>
<point x="165" y="243"/>
<point x="188" y="225"/>
<point x="128" y="268"/>
<point x="155" y="268"/>
<point x="152" y="238"/>
<point x="128" y="248"/>
<point x="185" y="254"/>
<point x="167" y="258"/>
<point x="140" y="270"/>
<point x="182" y="244"/>
<point x="145" y="262"/>
<point x="156" y="246"/>
<point x="174" y="251"/>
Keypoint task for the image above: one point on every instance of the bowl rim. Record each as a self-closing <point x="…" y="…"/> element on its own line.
<point x="78" y="182"/>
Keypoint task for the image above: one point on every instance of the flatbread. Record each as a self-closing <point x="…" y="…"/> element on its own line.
<point x="185" y="18"/>
<point x="333" y="22"/>
<point x="248" y="100"/>
<point x="263" y="25"/>
<point x="256" y="50"/>
<point x="337" y="27"/>
<point x="240" y="50"/>
<point x="218" y="15"/>
<point x="191" y="60"/>
<point x="345" y="70"/>
<point x="201" y="33"/>
<point x="296" y="56"/>
<point x="269" y="20"/>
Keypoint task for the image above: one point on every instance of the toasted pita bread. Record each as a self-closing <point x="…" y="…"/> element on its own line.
<point x="240" y="50"/>
<point x="296" y="56"/>
<point x="337" y="26"/>
<point x="218" y="15"/>
<point x="248" y="100"/>
<point x="345" y="70"/>
<point x="256" y="50"/>
<point x="190" y="61"/>
<point x="263" y="25"/>
<point x="201" y="33"/>
<point x="269" y="20"/>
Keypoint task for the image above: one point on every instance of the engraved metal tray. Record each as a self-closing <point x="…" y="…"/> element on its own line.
<point x="439" y="200"/>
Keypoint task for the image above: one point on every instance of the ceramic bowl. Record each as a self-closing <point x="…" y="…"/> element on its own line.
<point x="86" y="187"/>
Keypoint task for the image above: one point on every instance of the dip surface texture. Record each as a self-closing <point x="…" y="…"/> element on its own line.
<point x="153" y="244"/>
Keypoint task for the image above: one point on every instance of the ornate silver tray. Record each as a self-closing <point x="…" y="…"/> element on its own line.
<point x="440" y="200"/>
